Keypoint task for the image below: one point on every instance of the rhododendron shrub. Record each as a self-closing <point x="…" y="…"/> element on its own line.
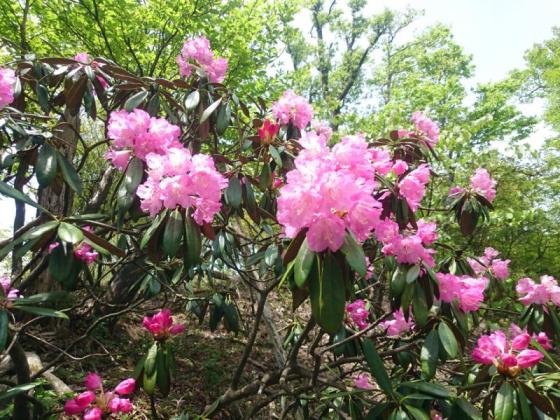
<point x="197" y="200"/>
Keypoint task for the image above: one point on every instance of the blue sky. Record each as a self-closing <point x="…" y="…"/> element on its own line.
<point x="496" y="32"/>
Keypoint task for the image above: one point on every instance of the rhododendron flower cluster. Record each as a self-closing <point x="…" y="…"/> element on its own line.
<point x="426" y="126"/>
<point x="467" y="291"/>
<point x="408" y="246"/>
<point x="9" y="292"/>
<point x="521" y="338"/>
<point x="329" y="192"/>
<point x="322" y="129"/>
<point x="508" y="357"/>
<point x="293" y="108"/>
<point x="413" y="186"/>
<point x="197" y="51"/>
<point x="268" y="132"/>
<point x="398" y="325"/>
<point x="161" y="325"/>
<point x="83" y="252"/>
<point x="489" y="263"/>
<point x="104" y="403"/>
<point x="358" y="313"/>
<point x="179" y="178"/>
<point x="481" y="184"/>
<point x="362" y="381"/>
<point x="539" y="293"/>
<point x="83" y="57"/>
<point x="7" y="82"/>
<point x="136" y="133"/>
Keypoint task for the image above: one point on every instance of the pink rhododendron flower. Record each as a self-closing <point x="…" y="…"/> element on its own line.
<point x="495" y="349"/>
<point x="426" y="126"/>
<point x="161" y="325"/>
<point x="489" y="263"/>
<point x="322" y="129"/>
<point x="329" y="192"/>
<point x="456" y="191"/>
<point x="358" y="313"/>
<point x="136" y="133"/>
<point x="467" y="291"/>
<point x="482" y="184"/>
<point x="292" y="108"/>
<point x="382" y="161"/>
<point x="413" y="186"/>
<point x="362" y="381"/>
<point x="408" y="246"/>
<point x="538" y="293"/>
<point x="7" y="83"/>
<point x="9" y="292"/>
<point x="104" y="403"/>
<point x="180" y="179"/>
<point x="197" y="51"/>
<point x="85" y="253"/>
<point x="398" y="325"/>
<point x="83" y="57"/>
<point x="521" y="338"/>
<point x="268" y="132"/>
<point x="400" y="167"/>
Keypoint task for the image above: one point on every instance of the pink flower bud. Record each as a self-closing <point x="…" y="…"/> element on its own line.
<point x="529" y="358"/>
<point x="362" y="382"/>
<point x="126" y="387"/>
<point x="94" y="414"/>
<point x="521" y="341"/>
<point x="85" y="398"/>
<point x="71" y="407"/>
<point x="93" y="381"/>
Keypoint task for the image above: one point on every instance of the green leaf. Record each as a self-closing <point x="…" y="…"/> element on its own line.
<point x="231" y="318"/>
<point x="4" y="321"/>
<point x="151" y="230"/>
<point x="208" y="111"/>
<point x="11" y="192"/>
<point x="192" y="100"/>
<point x="173" y="233"/>
<point x="429" y="355"/>
<point x="41" y="298"/>
<point x="163" y="374"/>
<point x="133" y="175"/>
<point x="270" y="255"/>
<point x="40" y="230"/>
<point x="303" y="264"/>
<point x="503" y="406"/>
<point x="448" y="339"/>
<point x="193" y="242"/>
<point x="275" y="155"/>
<point x="266" y="177"/>
<point x="327" y="294"/>
<point x="419" y="306"/>
<point x="412" y="274"/>
<point x="398" y="282"/>
<point x="523" y="405"/>
<point x="376" y="366"/>
<point x="218" y="311"/>
<point x="223" y="118"/>
<point x="16" y="390"/>
<point x="46" y="165"/>
<point x="354" y="254"/>
<point x="416" y="413"/>
<point x="43" y="97"/>
<point x="70" y="233"/>
<point x="150" y="363"/>
<point x="61" y="261"/>
<point x="233" y="192"/>
<point x="69" y="174"/>
<point x="431" y="389"/>
<point x="37" y="310"/>
<point x="135" y="100"/>
<point x="464" y="410"/>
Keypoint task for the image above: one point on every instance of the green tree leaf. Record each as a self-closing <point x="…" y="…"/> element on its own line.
<point x="503" y="406"/>
<point x="46" y="165"/>
<point x="376" y="366"/>
<point x="429" y="355"/>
